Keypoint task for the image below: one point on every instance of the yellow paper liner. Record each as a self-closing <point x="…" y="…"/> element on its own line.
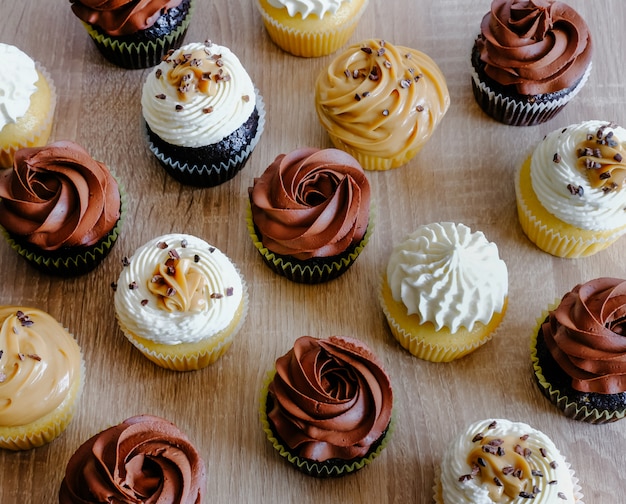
<point x="311" y="467"/>
<point x="570" y="408"/>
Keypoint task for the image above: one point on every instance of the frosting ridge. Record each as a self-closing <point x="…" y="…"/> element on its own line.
<point x="318" y="8"/>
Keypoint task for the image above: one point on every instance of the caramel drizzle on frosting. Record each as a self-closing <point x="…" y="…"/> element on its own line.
<point x="602" y="158"/>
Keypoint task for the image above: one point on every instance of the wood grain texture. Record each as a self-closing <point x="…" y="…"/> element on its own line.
<point x="464" y="174"/>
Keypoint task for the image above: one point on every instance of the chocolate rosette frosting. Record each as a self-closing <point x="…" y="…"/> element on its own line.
<point x="58" y="196"/>
<point x="145" y="459"/>
<point x="311" y="203"/>
<point x="329" y="399"/>
<point x="538" y="46"/>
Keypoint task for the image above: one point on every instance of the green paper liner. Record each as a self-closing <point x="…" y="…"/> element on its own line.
<point x="323" y="270"/>
<point x="570" y="408"/>
<point x="338" y="468"/>
<point x="140" y="54"/>
<point x="72" y="261"/>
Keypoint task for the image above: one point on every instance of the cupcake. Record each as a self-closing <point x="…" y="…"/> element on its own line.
<point x="327" y="407"/>
<point x="570" y="191"/>
<point x="504" y="461"/>
<point x="310" y="215"/>
<point x="134" y="34"/>
<point x="529" y="60"/>
<point x="311" y="29"/>
<point x="380" y="102"/>
<point x="202" y="114"/>
<point x="41" y="377"/>
<point x="143" y="459"/>
<point x="60" y="209"/>
<point x="578" y="352"/>
<point x="27" y="101"/>
<point x="445" y="291"/>
<point x="180" y="301"/>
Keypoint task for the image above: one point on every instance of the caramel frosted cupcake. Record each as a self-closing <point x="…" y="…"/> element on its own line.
<point x="578" y="353"/>
<point x="310" y="214"/>
<point x="135" y="34"/>
<point x="311" y="28"/>
<point x="180" y="301"/>
<point x="27" y="101"/>
<point x="445" y="291"/>
<point x="503" y="461"/>
<point x="530" y="59"/>
<point x="60" y="209"/>
<point x="202" y="113"/>
<point x="327" y="408"/>
<point x="41" y="377"/>
<point x="380" y="102"/>
<point x="143" y="459"/>
<point x="570" y="191"/>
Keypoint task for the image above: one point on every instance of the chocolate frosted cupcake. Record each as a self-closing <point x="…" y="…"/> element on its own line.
<point x="327" y="408"/>
<point x="60" y="209"/>
<point x="579" y="355"/>
<point x="530" y="59"/>
<point x="134" y="34"/>
<point x="310" y="214"/>
<point x="143" y="459"/>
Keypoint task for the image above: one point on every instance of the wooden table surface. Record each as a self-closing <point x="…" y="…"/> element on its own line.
<point x="464" y="174"/>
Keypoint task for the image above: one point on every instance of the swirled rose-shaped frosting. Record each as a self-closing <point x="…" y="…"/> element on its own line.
<point x="145" y="459"/>
<point x="381" y="99"/>
<point x="58" y="196"/>
<point x="311" y="203"/>
<point x="538" y="46"/>
<point x="121" y="17"/>
<point x="586" y="335"/>
<point x="40" y="363"/>
<point x="330" y="398"/>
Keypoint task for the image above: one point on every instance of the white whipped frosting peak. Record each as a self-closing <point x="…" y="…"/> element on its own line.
<point x="305" y="8"/>
<point x="544" y="458"/>
<point x="18" y="76"/>
<point x="202" y="118"/>
<point x="448" y="275"/>
<point x="138" y="309"/>
<point x="595" y="209"/>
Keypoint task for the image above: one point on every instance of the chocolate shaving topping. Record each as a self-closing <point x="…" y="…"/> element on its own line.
<point x="562" y="496"/>
<point x="34" y="357"/>
<point x="162" y="245"/>
<point x="387" y="64"/>
<point x="526" y="495"/>
<point x="173" y="254"/>
<point x="157" y="279"/>
<point x="207" y="110"/>
<point x="183" y="243"/>
<point x="542" y="450"/>
<point x="552" y="482"/>
<point x="125" y="261"/>
<point x="216" y="295"/>
<point x="133" y="285"/>
<point x="1" y="353"/>
<point x="367" y="50"/>
<point x="211" y="249"/>
<point x="230" y="291"/>
<point x="196" y="258"/>
<point x="170" y="291"/>
<point x="497" y="481"/>
<point x="357" y="97"/>
<point x="537" y="472"/>
<point x="144" y="302"/>
<point x="478" y="437"/>
<point x="575" y="190"/>
<point x="160" y="96"/>
<point x="557" y="157"/>
<point x="465" y="477"/>
<point x="20" y="356"/>
<point x="114" y="286"/>
<point x="508" y="470"/>
<point x="179" y="107"/>
<point x="419" y="108"/>
<point x="554" y="465"/>
<point x="492" y="425"/>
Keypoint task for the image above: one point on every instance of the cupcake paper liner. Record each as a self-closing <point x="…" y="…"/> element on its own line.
<point x="570" y="408"/>
<point x="39" y="136"/>
<point x="136" y="55"/>
<point x="508" y="110"/>
<point x="319" y="272"/>
<point x="312" y="467"/>
<point x="210" y="175"/>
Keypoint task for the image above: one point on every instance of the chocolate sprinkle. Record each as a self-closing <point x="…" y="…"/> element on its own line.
<point x="196" y="258"/>
<point x="162" y="245"/>
<point x="125" y="261"/>
<point x="216" y="295"/>
<point x="556" y="158"/>
<point x="160" y="96"/>
<point x="144" y="302"/>
<point x="133" y="285"/>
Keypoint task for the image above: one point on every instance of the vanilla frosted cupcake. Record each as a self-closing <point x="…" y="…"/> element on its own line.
<point x="570" y="191"/>
<point x="502" y="461"/>
<point x="445" y="291"/>
<point x="202" y="113"/>
<point x="311" y="28"/>
<point x="180" y="301"/>
<point x="380" y="102"/>
<point x="27" y="101"/>
<point x="41" y="377"/>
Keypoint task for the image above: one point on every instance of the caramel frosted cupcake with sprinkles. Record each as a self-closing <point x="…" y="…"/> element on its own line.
<point x="381" y="103"/>
<point x="180" y="301"/>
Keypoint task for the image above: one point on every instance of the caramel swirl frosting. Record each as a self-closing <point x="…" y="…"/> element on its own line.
<point x="39" y="363"/>
<point x="145" y="459"/>
<point x="331" y="398"/>
<point x="381" y="99"/>
<point x="585" y="335"/>
<point x="311" y="203"/>
<point x="603" y="157"/>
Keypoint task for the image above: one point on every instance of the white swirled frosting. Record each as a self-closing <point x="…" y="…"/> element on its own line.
<point x="448" y="275"/>
<point x="305" y="8"/>
<point x="200" y="300"/>
<point x="210" y="98"/>
<point x="543" y="472"/>
<point x="18" y="76"/>
<point x="555" y="170"/>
